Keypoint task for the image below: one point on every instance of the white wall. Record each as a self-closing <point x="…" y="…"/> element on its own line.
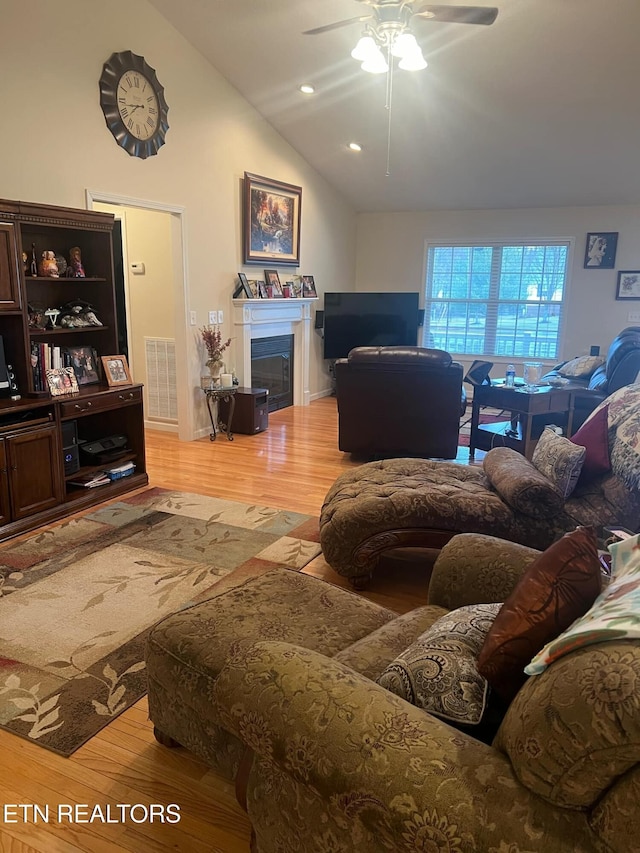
<point x="55" y="144"/>
<point x="391" y="255"/>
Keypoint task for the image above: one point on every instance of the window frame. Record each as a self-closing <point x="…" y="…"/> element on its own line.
<point x="501" y="243"/>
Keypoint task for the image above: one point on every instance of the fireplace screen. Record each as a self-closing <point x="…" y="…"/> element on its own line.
<point x="272" y="368"/>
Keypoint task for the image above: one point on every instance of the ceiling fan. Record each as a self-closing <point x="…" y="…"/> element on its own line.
<point x="397" y="14"/>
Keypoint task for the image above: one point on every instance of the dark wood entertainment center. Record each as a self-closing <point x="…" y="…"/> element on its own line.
<point x="34" y="488"/>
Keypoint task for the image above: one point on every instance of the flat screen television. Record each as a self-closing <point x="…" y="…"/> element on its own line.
<point x="368" y="320"/>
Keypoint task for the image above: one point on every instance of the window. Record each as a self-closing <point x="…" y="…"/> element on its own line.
<point x="496" y="299"/>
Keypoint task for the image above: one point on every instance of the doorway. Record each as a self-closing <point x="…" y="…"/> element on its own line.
<point x="151" y="288"/>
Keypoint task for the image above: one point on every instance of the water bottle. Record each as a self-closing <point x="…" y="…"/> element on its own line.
<point x="510" y="376"/>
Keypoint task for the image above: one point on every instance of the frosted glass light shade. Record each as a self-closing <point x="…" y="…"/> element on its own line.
<point x="375" y="64"/>
<point x="365" y="49"/>
<point x="413" y="62"/>
<point x="405" y="45"/>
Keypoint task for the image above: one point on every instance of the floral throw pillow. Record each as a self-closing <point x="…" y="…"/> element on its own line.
<point x="560" y="460"/>
<point x="615" y="614"/>
<point x="438" y="671"/>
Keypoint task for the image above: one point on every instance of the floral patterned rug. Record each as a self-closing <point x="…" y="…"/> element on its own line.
<point x="77" y="600"/>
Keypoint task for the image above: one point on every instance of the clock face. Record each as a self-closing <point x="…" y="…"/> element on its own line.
<point x="133" y="104"/>
<point x="138" y="104"/>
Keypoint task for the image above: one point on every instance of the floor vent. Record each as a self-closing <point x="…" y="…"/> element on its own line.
<point x="162" y="401"/>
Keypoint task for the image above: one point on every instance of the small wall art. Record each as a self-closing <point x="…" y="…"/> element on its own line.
<point x="600" y="251"/>
<point x="628" y="284"/>
<point x="308" y="286"/>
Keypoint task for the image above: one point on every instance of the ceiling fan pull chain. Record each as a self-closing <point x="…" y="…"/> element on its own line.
<point x="388" y="106"/>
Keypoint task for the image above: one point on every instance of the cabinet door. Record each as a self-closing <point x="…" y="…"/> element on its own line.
<point x="35" y="471"/>
<point x="5" y="508"/>
<point x="9" y="279"/>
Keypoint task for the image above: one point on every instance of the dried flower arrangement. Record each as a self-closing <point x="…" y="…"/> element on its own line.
<point x="212" y="339"/>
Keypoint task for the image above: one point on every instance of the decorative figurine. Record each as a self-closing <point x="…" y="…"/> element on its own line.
<point x="62" y="264"/>
<point x="25" y="263"/>
<point x="52" y="314"/>
<point x="48" y="268"/>
<point x="77" y="314"/>
<point x="37" y="319"/>
<point x="34" y="263"/>
<point x="75" y="268"/>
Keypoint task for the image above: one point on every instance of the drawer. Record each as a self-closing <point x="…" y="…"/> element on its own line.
<point x="100" y="403"/>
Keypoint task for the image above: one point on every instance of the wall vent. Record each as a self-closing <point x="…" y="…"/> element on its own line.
<point x="162" y="398"/>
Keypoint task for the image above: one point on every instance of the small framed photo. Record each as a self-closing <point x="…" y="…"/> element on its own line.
<point x="253" y="287"/>
<point x="262" y="290"/>
<point x="116" y="370"/>
<point x="273" y="282"/>
<point x="628" y="284"/>
<point x="600" y="251"/>
<point x="308" y="286"/>
<point x="62" y="380"/>
<point x="84" y="361"/>
<point x="287" y="289"/>
<point x="297" y="285"/>
<point x="242" y="290"/>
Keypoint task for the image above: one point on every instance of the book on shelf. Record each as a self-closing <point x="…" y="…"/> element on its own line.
<point x="90" y="481"/>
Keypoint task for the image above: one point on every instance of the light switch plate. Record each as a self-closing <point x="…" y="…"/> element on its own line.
<point x="213" y="317"/>
<point x="220" y="316"/>
<point x="192" y="318"/>
<point x="633" y="316"/>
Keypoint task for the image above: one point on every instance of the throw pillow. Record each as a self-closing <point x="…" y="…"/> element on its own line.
<point x="438" y="671"/>
<point x="581" y="367"/>
<point x="558" y="587"/>
<point x="520" y="484"/>
<point x="614" y="615"/>
<point x="559" y="459"/>
<point x="593" y="435"/>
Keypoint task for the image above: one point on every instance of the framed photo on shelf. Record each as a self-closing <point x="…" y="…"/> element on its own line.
<point x="297" y="285"/>
<point x="262" y="290"/>
<point x="271" y="221"/>
<point x="628" y="284"/>
<point x="253" y="287"/>
<point x="287" y="289"/>
<point x="116" y="370"/>
<point x="600" y="251"/>
<point x="308" y="286"/>
<point x="242" y="290"/>
<point x="62" y="380"/>
<point x="84" y="361"/>
<point x="273" y="282"/>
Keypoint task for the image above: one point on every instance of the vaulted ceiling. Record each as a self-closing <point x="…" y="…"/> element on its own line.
<point x="541" y="109"/>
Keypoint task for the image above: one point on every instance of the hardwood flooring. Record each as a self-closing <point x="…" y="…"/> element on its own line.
<point x="290" y="466"/>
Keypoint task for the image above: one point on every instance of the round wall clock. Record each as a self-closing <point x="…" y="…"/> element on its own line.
<point x="133" y="104"/>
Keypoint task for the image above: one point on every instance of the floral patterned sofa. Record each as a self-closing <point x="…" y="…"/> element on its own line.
<point x="277" y="678"/>
<point x="419" y="503"/>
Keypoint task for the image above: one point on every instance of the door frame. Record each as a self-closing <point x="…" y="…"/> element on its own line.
<point x="186" y="430"/>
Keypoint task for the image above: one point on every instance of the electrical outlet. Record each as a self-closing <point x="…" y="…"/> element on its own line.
<point x="213" y="317"/>
<point x="633" y="316"/>
<point x="192" y="318"/>
<point x="220" y="316"/>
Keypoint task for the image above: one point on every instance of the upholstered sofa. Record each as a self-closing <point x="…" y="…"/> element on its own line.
<point x="395" y="401"/>
<point x="418" y="503"/>
<point x="275" y="682"/>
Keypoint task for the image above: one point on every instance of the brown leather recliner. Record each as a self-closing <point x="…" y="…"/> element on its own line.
<point x="399" y="401"/>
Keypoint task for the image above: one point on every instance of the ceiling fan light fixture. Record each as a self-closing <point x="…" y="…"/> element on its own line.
<point x="413" y="62"/>
<point x="375" y="64"/>
<point x="405" y="45"/>
<point x="365" y="49"/>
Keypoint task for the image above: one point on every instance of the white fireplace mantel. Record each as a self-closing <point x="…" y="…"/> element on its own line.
<point x="267" y="318"/>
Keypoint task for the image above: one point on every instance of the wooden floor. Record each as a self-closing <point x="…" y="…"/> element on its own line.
<point x="290" y="466"/>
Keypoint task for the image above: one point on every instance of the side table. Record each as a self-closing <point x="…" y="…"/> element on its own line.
<point x="213" y="396"/>
<point x="523" y="405"/>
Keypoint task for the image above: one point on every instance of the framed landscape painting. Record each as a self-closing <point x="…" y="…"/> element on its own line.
<point x="271" y="221"/>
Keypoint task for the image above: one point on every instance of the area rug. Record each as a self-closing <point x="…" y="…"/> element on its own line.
<point x="487" y="416"/>
<point x="78" y="599"/>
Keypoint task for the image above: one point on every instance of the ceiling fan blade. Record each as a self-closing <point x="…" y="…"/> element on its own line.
<point x="457" y="14"/>
<point x="327" y="27"/>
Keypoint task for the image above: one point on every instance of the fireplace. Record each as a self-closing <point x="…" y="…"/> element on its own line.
<point x="255" y="319"/>
<point x="272" y="368"/>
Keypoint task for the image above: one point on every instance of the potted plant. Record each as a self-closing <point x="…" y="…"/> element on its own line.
<point x="212" y="339"/>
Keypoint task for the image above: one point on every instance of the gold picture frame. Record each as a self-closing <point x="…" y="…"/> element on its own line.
<point x="116" y="370"/>
<point x="271" y="221"/>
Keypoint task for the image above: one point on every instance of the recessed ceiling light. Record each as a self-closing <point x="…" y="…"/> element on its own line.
<point x="355" y="147"/>
<point x="306" y="89"/>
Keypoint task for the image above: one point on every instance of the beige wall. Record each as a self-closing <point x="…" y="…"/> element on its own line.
<point x="391" y="255"/>
<point x="55" y="145"/>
